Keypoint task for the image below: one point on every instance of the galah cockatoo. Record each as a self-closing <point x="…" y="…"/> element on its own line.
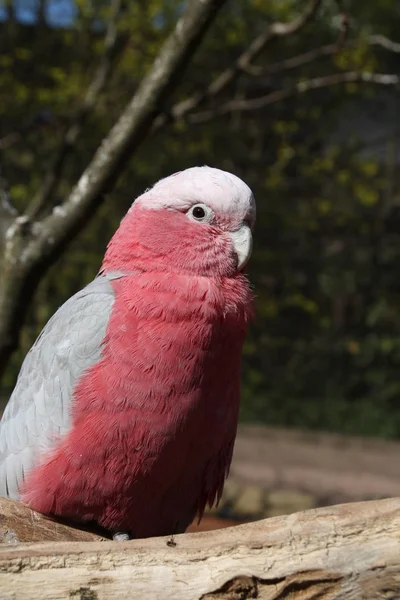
<point x="126" y="407"/>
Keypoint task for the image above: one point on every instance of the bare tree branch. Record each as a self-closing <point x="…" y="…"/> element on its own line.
<point x="244" y="63"/>
<point x="307" y="57"/>
<point x="275" y="30"/>
<point x="128" y="132"/>
<point x="7" y="211"/>
<point x="113" y="45"/>
<point x="293" y="62"/>
<point x="344" y="25"/>
<point x="32" y="247"/>
<point x="381" y="40"/>
<point x="298" y="88"/>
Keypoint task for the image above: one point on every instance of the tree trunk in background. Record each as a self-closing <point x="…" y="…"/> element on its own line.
<point x="31" y="247"/>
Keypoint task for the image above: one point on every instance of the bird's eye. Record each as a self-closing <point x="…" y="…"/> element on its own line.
<point x="200" y="212"/>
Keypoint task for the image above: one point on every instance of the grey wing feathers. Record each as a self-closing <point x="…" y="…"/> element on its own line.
<point x="39" y="409"/>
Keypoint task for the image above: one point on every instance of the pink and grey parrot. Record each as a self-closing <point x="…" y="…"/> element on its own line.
<point x="125" y="409"/>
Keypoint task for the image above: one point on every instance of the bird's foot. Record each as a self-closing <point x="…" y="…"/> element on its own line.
<point x="121" y="537"/>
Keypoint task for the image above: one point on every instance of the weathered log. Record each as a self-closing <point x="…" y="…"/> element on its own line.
<point x="345" y="552"/>
<point x="20" y="524"/>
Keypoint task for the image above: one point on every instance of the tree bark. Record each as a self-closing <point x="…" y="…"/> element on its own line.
<point x="20" y="524"/>
<point x="345" y="552"/>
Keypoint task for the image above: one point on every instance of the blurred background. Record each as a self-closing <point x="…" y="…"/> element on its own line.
<point x="311" y="123"/>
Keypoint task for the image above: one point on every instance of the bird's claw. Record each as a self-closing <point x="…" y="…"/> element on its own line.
<point x="121" y="537"/>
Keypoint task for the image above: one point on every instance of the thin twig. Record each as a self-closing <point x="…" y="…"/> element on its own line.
<point x="7" y="211"/>
<point x="298" y="88"/>
<point x="224" y="79"/>
<point x="113" y="45"/>
<point x="381" y="40"/>
<point x="293" y="62"/>
<point x="6" y="208"/>
<point x="307" y="57"/>
<point x="344" y="26"/>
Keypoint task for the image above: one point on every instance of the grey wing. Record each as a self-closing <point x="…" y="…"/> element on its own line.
<point x="39" y="409"/>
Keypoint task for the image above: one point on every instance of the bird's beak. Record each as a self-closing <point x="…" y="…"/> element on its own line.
<point x="243" y="244"/>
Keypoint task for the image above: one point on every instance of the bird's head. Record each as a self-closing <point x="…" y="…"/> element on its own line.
<point x="197" y="221"/>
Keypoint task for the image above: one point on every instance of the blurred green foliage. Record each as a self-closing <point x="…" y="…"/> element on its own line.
<point x="324" y="351"/>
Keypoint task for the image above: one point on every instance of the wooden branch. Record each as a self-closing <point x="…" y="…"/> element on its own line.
<point x="385" y="42"/>
<point x="8" y="213"/>
<point x="134" y="123"/>
<point x="293" y="62"/>
<point x="306" y="58"/>
<point x="113" y="46"/>
<point x="20" y="524"/>
<point x="31" y="249"/>
<point x="300" y="87"/>
<point x="346" y="552"/>
<point x="242" y="64"/>
<point x="344" y="24"/>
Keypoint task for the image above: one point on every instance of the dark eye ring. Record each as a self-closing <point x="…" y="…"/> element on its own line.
<point x="198" y="212"/>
